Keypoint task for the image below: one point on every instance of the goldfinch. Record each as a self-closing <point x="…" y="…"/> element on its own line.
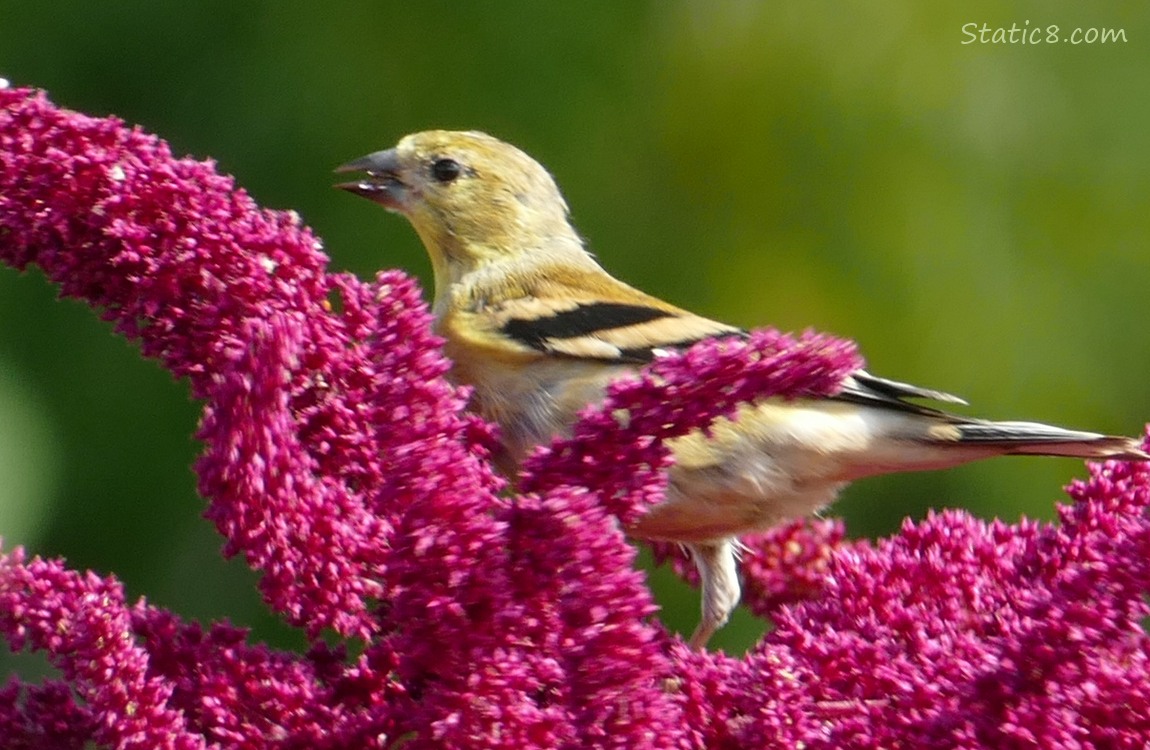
<point x="538" y="329"/>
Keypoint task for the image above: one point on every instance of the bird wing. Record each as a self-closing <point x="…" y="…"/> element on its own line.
<point x="606" y="321"/>
<point x="870" y="390"/>
<point x="602" y="319"/>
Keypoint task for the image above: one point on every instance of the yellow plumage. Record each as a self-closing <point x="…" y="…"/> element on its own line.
<point x="536" y="326"/>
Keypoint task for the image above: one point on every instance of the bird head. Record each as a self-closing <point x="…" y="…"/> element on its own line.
<point x="472" y="199"/>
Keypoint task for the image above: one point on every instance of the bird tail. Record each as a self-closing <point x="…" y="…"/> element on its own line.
<point x="1035" y="439"/>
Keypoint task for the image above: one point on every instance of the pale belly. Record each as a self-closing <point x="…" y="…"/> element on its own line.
<point x="776" y="460"/>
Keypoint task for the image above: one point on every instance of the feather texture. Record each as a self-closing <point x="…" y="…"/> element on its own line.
<point x="538" y="329"/>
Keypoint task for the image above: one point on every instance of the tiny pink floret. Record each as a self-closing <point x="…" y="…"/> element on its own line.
<point x="340" y="462"/>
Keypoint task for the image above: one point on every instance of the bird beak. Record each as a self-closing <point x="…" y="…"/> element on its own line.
<point x="382" y="184"/>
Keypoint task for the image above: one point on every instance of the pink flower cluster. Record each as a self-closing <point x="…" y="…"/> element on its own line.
<point x="339" y="462"/>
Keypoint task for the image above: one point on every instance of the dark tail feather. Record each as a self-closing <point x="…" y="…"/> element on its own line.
<point x="1034" y="439"/>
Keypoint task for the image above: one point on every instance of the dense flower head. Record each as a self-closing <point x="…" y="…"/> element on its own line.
<point x="42" y="717"/>
<point x="340" y="463"/>
<point x="623" y="457"/>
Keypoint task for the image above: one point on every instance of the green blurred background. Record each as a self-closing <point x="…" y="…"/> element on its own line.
<point x="975" y="216"/>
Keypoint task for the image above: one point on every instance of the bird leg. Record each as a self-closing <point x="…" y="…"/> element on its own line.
<point x="720" y="586"/>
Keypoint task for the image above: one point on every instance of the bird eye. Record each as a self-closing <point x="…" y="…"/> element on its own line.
<point x="446" y="170"/>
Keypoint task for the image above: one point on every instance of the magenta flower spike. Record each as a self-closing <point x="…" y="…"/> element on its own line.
<point x="339" y="461"/>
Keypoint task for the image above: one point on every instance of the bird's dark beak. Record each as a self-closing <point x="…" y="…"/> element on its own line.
<point x="382" y="183"/>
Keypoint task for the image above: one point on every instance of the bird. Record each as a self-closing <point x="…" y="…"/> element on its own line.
<point x="537" y="328"/>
